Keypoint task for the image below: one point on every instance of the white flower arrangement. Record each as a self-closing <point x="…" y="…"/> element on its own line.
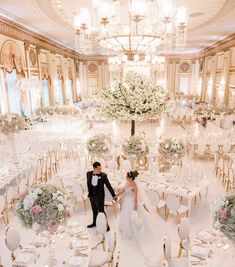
<point x="223" y="212"/>
<point x="182" y="96"/>
<point x="43" y="207"/>
<point x="135" y="146"/>
<point x="12" y="123"/>
<point x="98" y="144"/>
<point x="134" y="98"/>
<point x="171" y="148"/>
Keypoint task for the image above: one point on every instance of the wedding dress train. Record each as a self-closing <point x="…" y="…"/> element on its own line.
<point x="147" y="231"/>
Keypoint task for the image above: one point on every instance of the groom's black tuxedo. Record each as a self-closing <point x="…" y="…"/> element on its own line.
<point x="96" y="193"/>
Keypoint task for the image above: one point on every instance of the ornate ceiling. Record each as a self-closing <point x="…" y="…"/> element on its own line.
<point x="209" y="21"/>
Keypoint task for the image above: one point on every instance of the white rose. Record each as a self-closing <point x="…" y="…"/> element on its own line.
<point x="35" y="226"/>
<point x="60" y="207"/>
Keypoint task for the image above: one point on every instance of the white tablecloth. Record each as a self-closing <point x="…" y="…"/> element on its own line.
<point x="212" y="249"/>
<point x="71" y="244"/>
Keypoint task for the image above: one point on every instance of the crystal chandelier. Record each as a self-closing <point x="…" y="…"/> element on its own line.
<point x="135" y="29"/>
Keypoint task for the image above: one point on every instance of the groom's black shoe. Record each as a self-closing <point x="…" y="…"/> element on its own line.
<point x="91" y="225"/>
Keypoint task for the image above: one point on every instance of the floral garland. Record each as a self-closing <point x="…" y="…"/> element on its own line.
<point x="171" y="148"/>
<point x="12" y="123"/>
<point x="65" y="110"/>
<point x="43" y="207"/>
<point x="182" y="96"/>
<point x="135" y="146"/>
<point x="98" y="144"/>
<point x="223" y="212"/>
<point x="210" y="112"/>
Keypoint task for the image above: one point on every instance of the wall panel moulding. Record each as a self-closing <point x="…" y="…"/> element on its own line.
<point x="16" y="31"/>
<point x="220" y="46"/>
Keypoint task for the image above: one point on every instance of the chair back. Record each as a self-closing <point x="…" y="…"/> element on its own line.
<point x="172" y="202"/>
<point x="167" y="248"/>
<point x="12" y="238"/>
<point x="10" y="195"/>
<point x="101" y="223"/>
<point x="22" y="188"/>
<point x="126" y="165"/>
<point x="2" y="204"/>
<point x="111" y="235"/>
<point x="153" y="197"/>
<point x="32" y="176"/>
<point x="77" y="190"/>
<point x="183" y="228"/>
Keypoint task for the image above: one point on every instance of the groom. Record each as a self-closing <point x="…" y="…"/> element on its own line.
<point x="96" y="180"/>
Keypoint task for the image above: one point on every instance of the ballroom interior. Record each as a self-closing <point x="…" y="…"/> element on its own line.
<point x="146" y="85"/>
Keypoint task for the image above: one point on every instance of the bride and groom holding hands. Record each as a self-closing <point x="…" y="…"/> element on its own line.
<point x="138" y="220"/>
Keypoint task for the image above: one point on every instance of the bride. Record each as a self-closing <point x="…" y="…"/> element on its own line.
<point x="139" y="222"/>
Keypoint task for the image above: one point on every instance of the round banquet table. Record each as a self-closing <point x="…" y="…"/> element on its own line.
<point x="70" y="246"/>
<point x="211" y="248"/>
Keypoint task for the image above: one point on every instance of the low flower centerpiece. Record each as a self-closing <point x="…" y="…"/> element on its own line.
<point x="98" y="145"/>
<point x="10" y="124"/>
<point x="171" y="149"/>
<point x="135" y="146"/>
<point x="223" y="212"/>
<point x="44" y="208"/>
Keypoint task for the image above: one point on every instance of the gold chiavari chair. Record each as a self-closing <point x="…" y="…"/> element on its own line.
<point x="9" y="201"/>
<point x="2" y="210"/>
<point x="183" y="232"/>
<point x="12" y="240"/>
<point x="44" y="170"/>
<point x="32" y="177"/>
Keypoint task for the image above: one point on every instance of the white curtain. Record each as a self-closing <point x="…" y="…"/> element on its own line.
<point x="46" y="97"/>
<point x="3" y="96"/>
<point x="60" y="93"/>
<point x="69" y="91"/>
<point x="13" y="92"/>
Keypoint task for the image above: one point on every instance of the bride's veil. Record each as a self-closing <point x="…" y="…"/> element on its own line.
<point x="150" y="235"/>
<point x="143" y="198"/>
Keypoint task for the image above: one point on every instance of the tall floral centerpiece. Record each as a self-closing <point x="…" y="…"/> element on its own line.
<point x="98" y="145"/>
<point x="135" y="146"/>
<point x="10" y="124"/>
<point x="223" y="212"/>
<point x="171" y="149"/>
<point x="134" y="98"/>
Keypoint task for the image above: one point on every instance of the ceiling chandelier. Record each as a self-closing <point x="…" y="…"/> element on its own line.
<point x="135" y="28"/>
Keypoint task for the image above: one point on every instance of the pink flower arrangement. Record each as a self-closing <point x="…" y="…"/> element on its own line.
<point x="36" y="209"/>
<point x="223" y="214"/>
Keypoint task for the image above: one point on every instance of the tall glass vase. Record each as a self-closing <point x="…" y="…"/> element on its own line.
<point x="12" y="144"/>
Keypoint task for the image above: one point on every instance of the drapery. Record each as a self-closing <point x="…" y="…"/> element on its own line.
<point x="46" y="96"/>
<point x="13" y="92"/>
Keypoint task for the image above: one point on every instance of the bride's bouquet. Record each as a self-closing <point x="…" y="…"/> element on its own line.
<point x="136" y="220"/>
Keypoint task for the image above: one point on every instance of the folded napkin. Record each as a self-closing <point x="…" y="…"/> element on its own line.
<point x="79" y="243"/>
<point x="24" y="258"/>
<point x="198" y="251"/>
<point x="72" y="224"/>
<point x="40" y="241"/>
<point x="76" y="231"/>
<point x="76" y="261"/>
<point x="205" y="236"/>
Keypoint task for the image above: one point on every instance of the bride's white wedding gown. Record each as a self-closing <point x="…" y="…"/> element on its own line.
<point x="149" y="236"/>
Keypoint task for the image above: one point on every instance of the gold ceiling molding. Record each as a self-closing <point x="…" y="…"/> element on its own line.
<point x="16" y="31"/>
<point x="219" y="46"/>
<point x="11" y="57"/>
